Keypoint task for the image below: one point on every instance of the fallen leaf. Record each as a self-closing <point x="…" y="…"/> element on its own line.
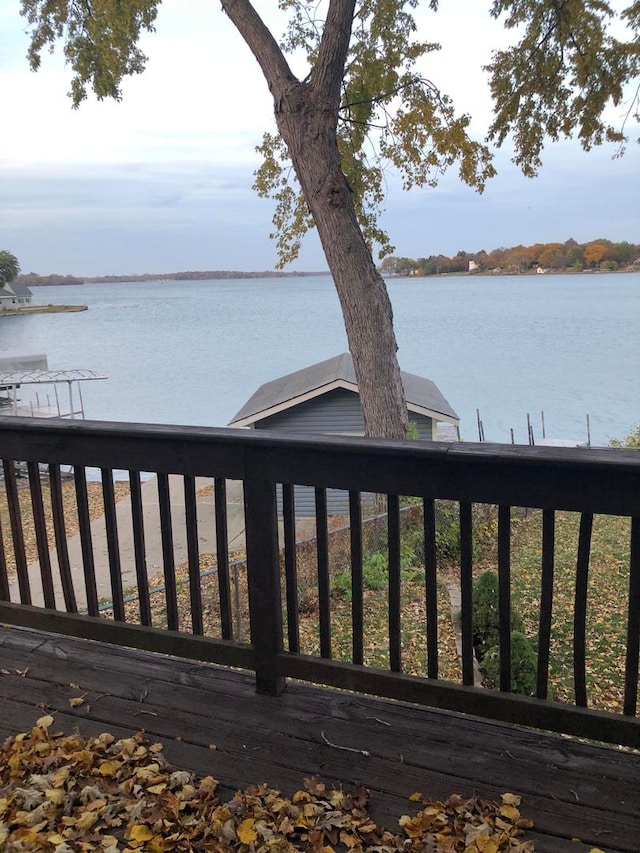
<point x="246" y="831"/>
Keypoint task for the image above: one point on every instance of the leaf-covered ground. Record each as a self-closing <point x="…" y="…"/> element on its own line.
<point x="606" y="608"/>
<point x="64" y="793"/>
<point x="96" y="509"/>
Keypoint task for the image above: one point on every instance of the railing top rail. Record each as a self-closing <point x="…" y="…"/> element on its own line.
<point x="582" y="479"/>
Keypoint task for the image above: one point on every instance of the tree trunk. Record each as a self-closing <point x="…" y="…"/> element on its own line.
<point x="307" y="118"/>
<point x="365" y="303"/>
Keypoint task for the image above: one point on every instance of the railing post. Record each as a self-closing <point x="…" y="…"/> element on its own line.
<point x="263" y="574"/>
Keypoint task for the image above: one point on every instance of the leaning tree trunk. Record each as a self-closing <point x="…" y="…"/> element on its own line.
<point x="307" y="117"/>
<point x="365" y="303"/>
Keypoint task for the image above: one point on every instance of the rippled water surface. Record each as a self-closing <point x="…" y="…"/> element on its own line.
<point x="193" y="352"/>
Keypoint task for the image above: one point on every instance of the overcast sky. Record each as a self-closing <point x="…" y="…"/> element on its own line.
<point x="162" y="180"/>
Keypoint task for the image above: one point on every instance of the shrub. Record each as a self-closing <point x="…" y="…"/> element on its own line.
<point x="486" y="626"/>
<point x="631" y="441"/>
<point x="523" y="665"/>
<point x="447" y="530"/>
<point x="375" y="571"/>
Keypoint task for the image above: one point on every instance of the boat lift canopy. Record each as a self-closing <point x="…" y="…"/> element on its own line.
<point x="10" y="381"/>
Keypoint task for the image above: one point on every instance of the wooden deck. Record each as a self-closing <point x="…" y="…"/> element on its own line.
<point x="570" y="789"/>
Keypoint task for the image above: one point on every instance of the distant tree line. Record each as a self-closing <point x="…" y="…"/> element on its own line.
<point x="598" y="254"/>
<point x="32" y="279"/>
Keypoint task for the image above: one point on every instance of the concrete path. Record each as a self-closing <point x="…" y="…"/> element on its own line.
<point x="153" y="542"/>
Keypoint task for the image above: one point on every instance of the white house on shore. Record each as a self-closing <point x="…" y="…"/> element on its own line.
<point x="14" y="295"/>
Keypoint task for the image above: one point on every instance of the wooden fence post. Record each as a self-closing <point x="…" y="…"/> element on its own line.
<point x="263" y="574"/>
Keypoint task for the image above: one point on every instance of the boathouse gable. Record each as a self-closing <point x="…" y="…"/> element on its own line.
<point x="324" y="399"/>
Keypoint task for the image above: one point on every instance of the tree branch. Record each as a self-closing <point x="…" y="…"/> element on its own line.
<point x="260" y="42"/>
<point x="334" y="49"/>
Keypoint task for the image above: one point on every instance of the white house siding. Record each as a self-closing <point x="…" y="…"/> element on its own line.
<point x="336" y="412"/>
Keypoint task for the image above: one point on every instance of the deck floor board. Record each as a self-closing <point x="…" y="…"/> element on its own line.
<point x="570" y="789"/>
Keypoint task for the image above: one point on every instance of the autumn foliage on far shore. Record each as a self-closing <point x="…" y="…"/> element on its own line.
<point x="600" y="254"/>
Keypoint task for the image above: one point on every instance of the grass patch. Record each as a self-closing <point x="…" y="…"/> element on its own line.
<point x="606" y="608"/>
<point x="376" y="631"/>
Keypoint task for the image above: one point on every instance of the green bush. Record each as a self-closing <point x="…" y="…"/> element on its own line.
<point x="486" y="626"/>
<point x="523" y="665"/>
<point x="375" y="571"/>
<point x="447" y="530"/>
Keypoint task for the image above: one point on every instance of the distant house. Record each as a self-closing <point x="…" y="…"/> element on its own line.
<point x="15" y="294"/>
<point x="324" y="398"/>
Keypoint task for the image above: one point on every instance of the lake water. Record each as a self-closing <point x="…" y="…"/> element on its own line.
<point x="193" y="352"/>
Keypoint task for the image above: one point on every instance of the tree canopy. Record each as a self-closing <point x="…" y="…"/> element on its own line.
<point x="570" y="255"/>
<point x="366" y="103"/>
<point x="9" y="267"/>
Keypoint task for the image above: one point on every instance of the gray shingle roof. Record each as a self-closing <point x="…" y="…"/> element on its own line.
<point x="287" y="391"/>
<point x="15" y="288"/>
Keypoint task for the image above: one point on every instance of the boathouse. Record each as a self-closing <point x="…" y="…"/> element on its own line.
<point x="324" y="399"/>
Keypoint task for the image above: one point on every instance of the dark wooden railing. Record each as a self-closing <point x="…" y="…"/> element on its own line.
<point x="585" y="481"/>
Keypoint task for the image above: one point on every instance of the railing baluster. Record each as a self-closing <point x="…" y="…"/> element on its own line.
<point x="263" y="571"/>
<point x="393" y="528"/>
<point x="324" y="590"/>
<point x="546" y="603"/>
<point x="504" y="595"/>
<point x="193" y="554"/>
<point x="42" y="541"/>
<point x="291" y="567"/>
<point x="137" y="520"/>
<point x="431" y="586"/>
<point x="5" y="592"/>
<point x="86" y="545"/>
<point x="466" y="591"/>
<point x="633" y="625"/>
<point x="60" y="531"/>
<point x="15" y="520"/>
<point x="222" y="556"/>
<point x="168" y="561"/>
<point x="580" y="611"/>
<point x="357" y="598"/>
<point x="113" y="546"/>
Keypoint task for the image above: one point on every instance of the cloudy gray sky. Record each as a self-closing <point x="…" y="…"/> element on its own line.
<point x="162" y="180"/>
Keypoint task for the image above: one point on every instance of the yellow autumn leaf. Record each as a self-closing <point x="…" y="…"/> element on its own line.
<point x="486" y="844"/>
<point x="511" y="799"/>
<point x="246" y="831"/>
<point x="76" y="701"/>
<point x="138" y="833"/>
<point x="60" y="777"/>
<point x="157" y="789"/>
<point x="149" y="772"/>
<point x="45" y="722"/>
<point x="109" y="768"/>
<point x="55" y="795"/>
<point x="105" y="739"/>
<point x="85" y="821"/>
<point x="416" y="797"/>
<point x="510" y="812"/>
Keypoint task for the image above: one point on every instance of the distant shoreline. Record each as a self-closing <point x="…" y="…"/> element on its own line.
<point x="505" y="273"/>
<point x="148" y="278"/>
<point x="151" y="278"/>
<point x="44" y="309"/>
